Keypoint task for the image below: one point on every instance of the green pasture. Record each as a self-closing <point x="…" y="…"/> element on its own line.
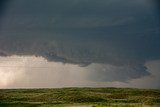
<point x="80" y="97"/>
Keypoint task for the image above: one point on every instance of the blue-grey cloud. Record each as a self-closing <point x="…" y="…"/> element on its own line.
<point x="121" y="33"/>
<point x="112" y="73"/>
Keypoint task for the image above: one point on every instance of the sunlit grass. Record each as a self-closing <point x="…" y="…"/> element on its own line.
<point x="93" y="97"/>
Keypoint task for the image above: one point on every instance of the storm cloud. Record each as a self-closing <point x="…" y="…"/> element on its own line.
<point x="37" y="72"/>
<point x="118" y="36"/>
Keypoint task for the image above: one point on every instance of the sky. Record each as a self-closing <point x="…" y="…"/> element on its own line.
<point x="79" y="43"/>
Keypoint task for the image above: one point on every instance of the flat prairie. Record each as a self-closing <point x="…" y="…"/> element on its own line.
<point x="80" y="97"/>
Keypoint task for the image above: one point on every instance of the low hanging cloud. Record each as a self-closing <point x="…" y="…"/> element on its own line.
<point x="107" y="37"/>
<point x="110" y="73"/>
<point x="37" y="72"/>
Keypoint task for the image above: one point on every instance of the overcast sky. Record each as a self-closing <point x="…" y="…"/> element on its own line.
<point x="79" y="43"/>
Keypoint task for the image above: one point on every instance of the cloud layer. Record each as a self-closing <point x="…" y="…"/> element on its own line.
<point x="117" y="36"/>
<point x="37" y="72"/>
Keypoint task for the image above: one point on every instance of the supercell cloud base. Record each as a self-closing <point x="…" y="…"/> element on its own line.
<point x="79" y="43"/>
<point x="37" y="72"/>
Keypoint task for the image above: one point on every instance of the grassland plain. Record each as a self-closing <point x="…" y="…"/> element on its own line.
<point x="80" y="97"/>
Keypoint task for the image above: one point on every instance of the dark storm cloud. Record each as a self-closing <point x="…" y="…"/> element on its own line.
<point x="121" y="33"/>
<point x="109" y="73"/>
<point x="2" y="5"/>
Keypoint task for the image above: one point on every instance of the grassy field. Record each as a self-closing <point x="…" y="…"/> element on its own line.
<point x="79" y="97"/>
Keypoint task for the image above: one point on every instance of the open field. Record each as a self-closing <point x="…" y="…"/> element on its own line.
<point x="80" y="97"/>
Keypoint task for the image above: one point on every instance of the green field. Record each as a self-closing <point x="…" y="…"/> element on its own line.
<point x="80" y="97"/>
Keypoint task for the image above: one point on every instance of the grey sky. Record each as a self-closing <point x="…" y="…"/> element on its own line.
<point x="121" y="36"/>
